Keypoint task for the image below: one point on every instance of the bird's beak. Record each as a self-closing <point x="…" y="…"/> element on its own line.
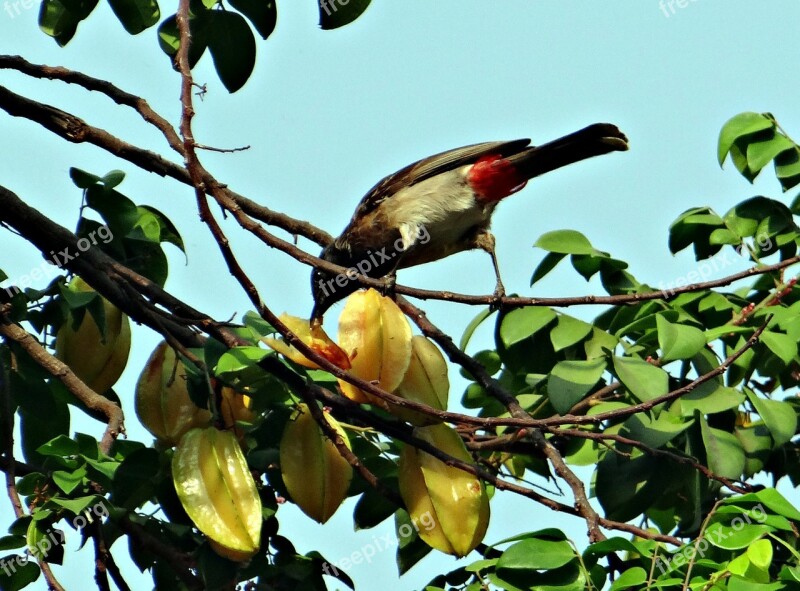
<point x="316" y="318"/>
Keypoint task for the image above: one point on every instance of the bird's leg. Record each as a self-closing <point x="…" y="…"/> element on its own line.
<point x="390" y="278"/>
<point x="485" y="241"/>
<point x="389" y="283"/>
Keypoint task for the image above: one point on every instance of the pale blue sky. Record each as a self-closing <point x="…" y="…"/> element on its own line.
<point x="328" y="113"/>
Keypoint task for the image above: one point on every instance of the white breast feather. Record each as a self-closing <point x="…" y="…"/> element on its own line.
<point x="444" y="206"/>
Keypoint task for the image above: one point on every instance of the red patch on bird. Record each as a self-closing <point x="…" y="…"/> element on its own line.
<point x="493" y="177"/>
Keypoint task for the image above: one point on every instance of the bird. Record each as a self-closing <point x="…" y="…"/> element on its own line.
<point x="441" y="205"/>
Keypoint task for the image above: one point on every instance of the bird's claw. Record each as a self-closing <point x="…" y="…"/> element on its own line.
<point x="497" y="297"/>
<point x="389" y="283"/>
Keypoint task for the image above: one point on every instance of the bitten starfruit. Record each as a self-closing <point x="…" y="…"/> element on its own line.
<point x="313" y="336"/>
<point x="162" y="398"/>
<point x="425" y="381"/>
<point x="314" y="472"/>
<point x="453" y="501"/>
<point x="97" y="359"/>
<point x="218" y="492"/>
<point x="376" y="336"/>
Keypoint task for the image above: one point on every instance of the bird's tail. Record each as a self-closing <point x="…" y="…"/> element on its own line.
<point x="595" y="140"/>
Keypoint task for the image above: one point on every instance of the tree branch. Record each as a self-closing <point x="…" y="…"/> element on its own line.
<point x="76" y="130"/>
<point x="94" y="401"/>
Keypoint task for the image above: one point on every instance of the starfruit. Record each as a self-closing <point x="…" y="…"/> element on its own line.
<point x="235" y="407"/>
<point x="313" y="336"/>
<point x="450" y="507"/>
<point x="376" y="336"/>
<point x="218" y="492"/>
<point x="314" y="472"/>
<point x="162" y="398"/>
<point x="425" y="381"/>
<point x="97" y="361"/>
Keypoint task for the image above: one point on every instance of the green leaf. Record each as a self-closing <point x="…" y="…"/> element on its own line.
<point x="69" y="481"/>
<point x="782" y="345"/>
<point x="723" y="451"/>
<point x="606" y="547"/>
<point x="11" y="542"/>
<point x="25" y="572"/>
<point x="570" y="381"/>
<point x="238" y="359"/>
<point x="113" y="178"/>
<point x="644" y="380"/>
<point x="739" y="158"/>
<point x="57" y="22"/>
<point x="169" y="37"/>
<point x="232" y="47"/>
<point x="85" y="505"/>
<point x="753" y="579"/>
<point x="59" y="18"/>
<point x="728" y="537"/>
<point x="709" y="398"/>
<point x="338" y="13"/>
<point x="103" y="470"/>
<point x="741" y="125"/>
<point x="473" y="326"/>
<point x="119" y="212"/>
<point x="257" y="325"/>
<point x="633" y="577"/>
<point x="44" y="542"/>
<point x="83" y="179"/>
<point x="772" y="499"/>
<point x="600" y="344"/>
<point x="568" y="332"/>
<point x="536" y="554"/>
<point x="521" y="323"/>
<point x="565" y="242"/>
<point x="262" y="13"/>
<point x="489" y="359"/>
<point x="550" y="260"/>
<point x="627" y="486"/>
<point x="569" y="577"/>
<point x="169" y="232"/>
<point x="133" y="482"/>
<point x="136" y="15"/>
<point x="655" y="432"/>
<point x="411" y="549"/>
<point x="761" y="153"/>
<point x="779" y="417"/>
<point x="726" y="330"/>
<point x="60" y="446"/>
<point x="678" y="341"/>
<point x="787" y="168"/>
<point x="37" y="428"/>
<point x="723" y="236"/>
<point x="146" y="227"/>
<point x="611" y="270"/>
<point x="760" y="554"/>
<point x="760" y="217"/>
<point x="757" y="445"/>
<point x="549" y="533"/>
<point x="694" y="226"/>
<point x="371" y="510"/>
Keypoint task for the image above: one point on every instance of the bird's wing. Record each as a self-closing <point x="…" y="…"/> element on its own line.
<point x="431" y="166"/>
